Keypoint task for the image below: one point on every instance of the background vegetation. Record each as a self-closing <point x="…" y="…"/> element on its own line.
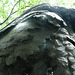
<point x="7" y="5"/>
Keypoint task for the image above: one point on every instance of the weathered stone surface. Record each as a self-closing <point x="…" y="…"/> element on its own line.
<point x="39" y="42"/>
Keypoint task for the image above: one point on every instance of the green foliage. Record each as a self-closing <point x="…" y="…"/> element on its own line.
<point x="66" y="3"/>
<point x="7" y="5"/>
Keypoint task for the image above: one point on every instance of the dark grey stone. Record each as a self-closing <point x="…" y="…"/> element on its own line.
<point x="39" y="42"/>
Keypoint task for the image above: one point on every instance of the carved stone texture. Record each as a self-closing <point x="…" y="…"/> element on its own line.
<point x="39" y="42"/>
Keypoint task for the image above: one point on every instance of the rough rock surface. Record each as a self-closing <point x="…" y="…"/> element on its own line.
<point x="39" y="42"/>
